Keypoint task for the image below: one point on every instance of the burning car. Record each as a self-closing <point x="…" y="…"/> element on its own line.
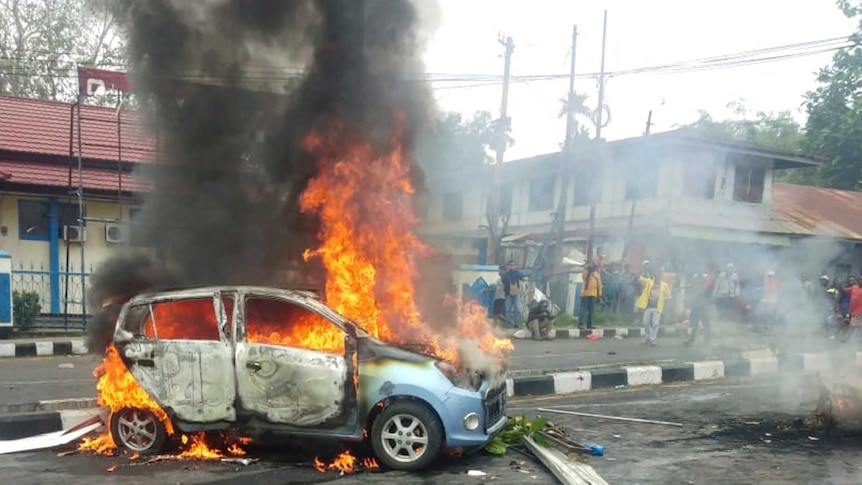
<point x="234" y="358"/>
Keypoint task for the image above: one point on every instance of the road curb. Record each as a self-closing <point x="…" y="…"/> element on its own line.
<point x="39" y="349"/>
<point x="48" y="406"/>
<point x="17" y="426"/>
<point x="609" y="332"/>
<point x="641" y="375"/>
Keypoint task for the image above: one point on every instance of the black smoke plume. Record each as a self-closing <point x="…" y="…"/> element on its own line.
<point x="232" y="87"/>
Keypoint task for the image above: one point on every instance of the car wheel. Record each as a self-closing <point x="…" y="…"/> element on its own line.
<point x="138" y="430"/>
<point x="407" y="436"/>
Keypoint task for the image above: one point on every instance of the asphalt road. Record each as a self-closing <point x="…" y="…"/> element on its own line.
<point x="28" y="380"/>
<point x="745" y="431"/>
<point x="32" y="379"/>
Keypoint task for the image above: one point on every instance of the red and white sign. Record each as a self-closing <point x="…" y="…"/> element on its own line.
<point x="91" y="80"/>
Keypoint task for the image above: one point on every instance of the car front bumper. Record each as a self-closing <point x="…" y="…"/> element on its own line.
<point x="490" y="406"/>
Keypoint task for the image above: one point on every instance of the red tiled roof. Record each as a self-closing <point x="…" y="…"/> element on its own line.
<point x="43" y="127"/>
<point x="818" y="210"/>
<point x="58" y="176"/>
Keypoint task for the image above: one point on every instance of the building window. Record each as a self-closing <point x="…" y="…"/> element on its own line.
<point x="506" y="200"/>
<point x="641" y="182"/>
<point x="453" y="207"/>
<point x="542" y="193"/>
<point x="34" y="219"/>
<point x="588" y="186"/>
<point x="699" y="180"/>
<point x="748" y="184"/>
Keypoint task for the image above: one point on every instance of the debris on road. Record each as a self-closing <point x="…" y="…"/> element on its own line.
<point x="558" y="437"/>
<point x="53" y="439"/>
<point x="476" y="473"/>
<point x="240" y="461"/>
<point x="67" y="365"/>
<point x="616" y="418"/>
<point x="567" y="472"/>
<point x="551" y="445"/>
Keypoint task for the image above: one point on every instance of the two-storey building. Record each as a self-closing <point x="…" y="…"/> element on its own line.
<point x="676" y="196"/>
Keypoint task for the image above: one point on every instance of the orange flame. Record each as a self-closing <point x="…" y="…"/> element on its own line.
<point x="199" y="449"/>
<point x="235" y="450"/>
<point x="345" y="463"/>
<point x="364" y="202"/>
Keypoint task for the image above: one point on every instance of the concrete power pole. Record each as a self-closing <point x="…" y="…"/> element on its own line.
<point x="498" y="222"/>
<point x="599" y="122"/>
<point x="565" y="161"/>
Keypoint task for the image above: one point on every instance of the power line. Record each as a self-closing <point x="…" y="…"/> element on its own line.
<point x="739" y="59"/>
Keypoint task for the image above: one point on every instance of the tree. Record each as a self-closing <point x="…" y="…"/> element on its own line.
<point x="576" y="104"/>
<point x="42" y="42"/>
<point x="458" y="144"/>
<point x="774" y="130"/>
<point x="834" y="128"/>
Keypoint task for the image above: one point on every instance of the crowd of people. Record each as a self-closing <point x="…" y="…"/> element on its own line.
<point x="765" y="302"/>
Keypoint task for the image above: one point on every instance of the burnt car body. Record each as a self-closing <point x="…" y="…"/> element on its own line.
<point x="408" y="405"/>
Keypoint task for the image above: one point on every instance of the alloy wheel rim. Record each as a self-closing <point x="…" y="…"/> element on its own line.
<point x="137" y="429"/>
<point x="404" y="438"/>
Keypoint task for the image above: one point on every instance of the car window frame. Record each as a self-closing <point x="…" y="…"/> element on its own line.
<point x="239" y="314"/>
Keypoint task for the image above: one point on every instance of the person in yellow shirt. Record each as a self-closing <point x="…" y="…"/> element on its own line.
<point x="651" y="302"/>
<point x="590" y="292"/>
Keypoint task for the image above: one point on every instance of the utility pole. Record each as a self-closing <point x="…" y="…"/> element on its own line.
<point x="566" y="161"/>
<point x="498" y="222"/>
<point x="599" y="114"/>
<point x="631" y="222"/>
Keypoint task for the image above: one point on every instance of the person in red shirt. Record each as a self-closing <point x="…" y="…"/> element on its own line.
<point x="855" y="292"/>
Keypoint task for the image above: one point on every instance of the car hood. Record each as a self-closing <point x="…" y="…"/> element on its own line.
<point x="380" y="349"/>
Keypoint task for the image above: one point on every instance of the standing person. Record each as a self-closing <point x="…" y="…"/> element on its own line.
<point x="655" y="292"/>
<point x="844" y="298"/>
<point x="855" y="293"/>
<point x="726" y="291"/>
<point x="499" y="305"/>
<point x="591" y="291"/>
<point x="769" y="299"/>
<point x="512" y="290"/>
<point x="701" y="289"/>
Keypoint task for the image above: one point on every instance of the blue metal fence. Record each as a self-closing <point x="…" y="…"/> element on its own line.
<point x="37" y="279"/>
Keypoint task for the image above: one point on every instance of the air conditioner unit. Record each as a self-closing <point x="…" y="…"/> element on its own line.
<point x="74" y="233"/>
<point x="116" y="233"/>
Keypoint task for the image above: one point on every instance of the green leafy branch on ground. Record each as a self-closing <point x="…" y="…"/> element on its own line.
<point x="517" y="427"/>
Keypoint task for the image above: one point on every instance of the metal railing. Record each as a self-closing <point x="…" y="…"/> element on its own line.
<point x="37" y="279"/>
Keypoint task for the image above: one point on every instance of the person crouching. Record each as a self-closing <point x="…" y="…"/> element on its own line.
<point x="540" y="321"/>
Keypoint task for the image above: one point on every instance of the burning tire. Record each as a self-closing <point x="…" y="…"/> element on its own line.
<point x="407" y="436"/>
<point x="138" y="430"/>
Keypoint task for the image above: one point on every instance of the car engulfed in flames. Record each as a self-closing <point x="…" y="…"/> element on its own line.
<point x="257" y="360"/>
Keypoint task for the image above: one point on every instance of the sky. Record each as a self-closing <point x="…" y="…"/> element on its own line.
<point x="640" y="33"/>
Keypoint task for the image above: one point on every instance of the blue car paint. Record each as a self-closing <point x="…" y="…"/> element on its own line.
<point x="380" y="379"/>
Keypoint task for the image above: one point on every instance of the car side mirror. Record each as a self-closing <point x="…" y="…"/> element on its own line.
<point x="350" y="328"/>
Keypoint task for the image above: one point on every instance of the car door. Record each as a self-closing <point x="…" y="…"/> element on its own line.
<point x="182" y="355"/>
<point x="285" y="375"/>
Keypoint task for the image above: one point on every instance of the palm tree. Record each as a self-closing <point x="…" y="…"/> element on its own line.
<point x="575" y="104"/>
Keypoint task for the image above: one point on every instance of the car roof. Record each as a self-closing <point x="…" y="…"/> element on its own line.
<point x="203" y="291"/>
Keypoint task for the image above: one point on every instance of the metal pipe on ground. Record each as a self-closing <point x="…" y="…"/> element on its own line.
<point x="601" y="416"/>
<point x="567" y="472"/>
